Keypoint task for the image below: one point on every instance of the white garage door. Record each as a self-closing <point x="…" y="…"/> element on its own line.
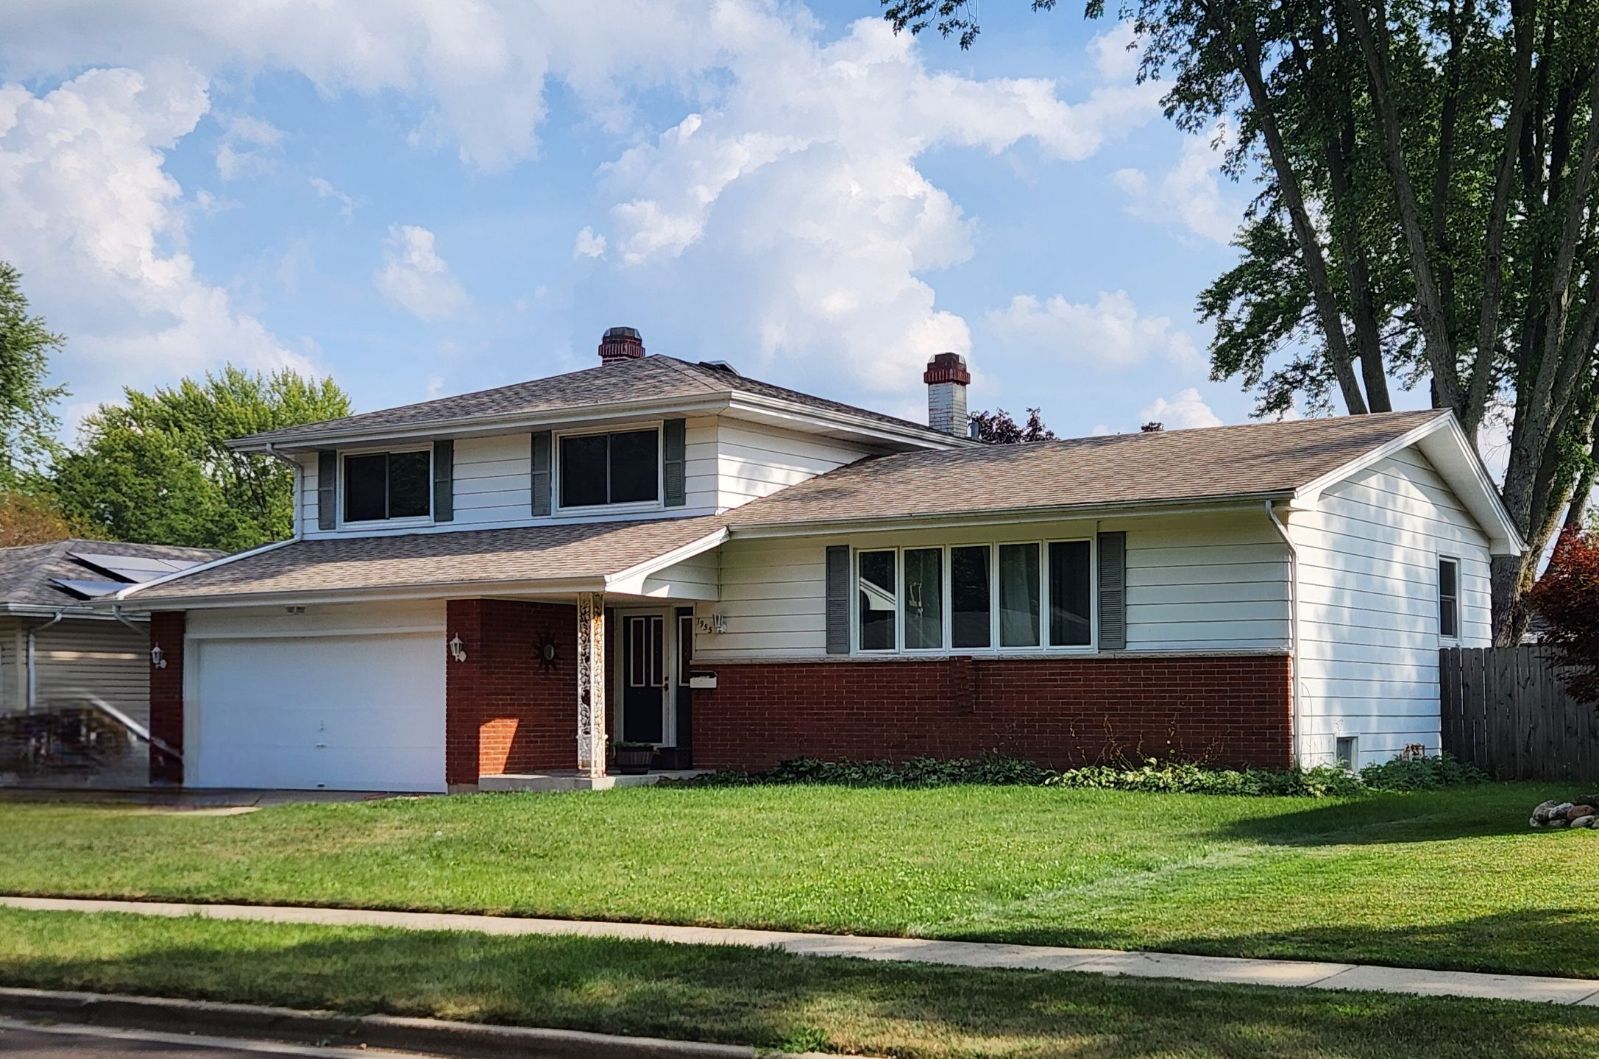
<point x="359" y="713"/>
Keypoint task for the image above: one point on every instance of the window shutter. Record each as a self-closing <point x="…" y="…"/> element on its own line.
<point x="444" y="481"/>
<point x="838" y="599"/>
<point x="1113" y="591"/>
<point x="672" y="438"/>
<point x="327" y="489"/>
<point x="541" y="473"/>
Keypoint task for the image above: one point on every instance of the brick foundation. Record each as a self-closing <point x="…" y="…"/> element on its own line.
<point x="1058" y="712"/>
<point x="166" y="696"/>
<point x="503" y="713"/>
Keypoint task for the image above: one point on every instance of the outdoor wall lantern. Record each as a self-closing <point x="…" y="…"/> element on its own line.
<point x="158" y="658"/>
<point x="548" y="652"/>
<point x="457" y="648"/>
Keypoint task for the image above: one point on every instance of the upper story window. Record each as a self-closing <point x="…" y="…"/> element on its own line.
<point x="616" y="468"/>
<point x="1449" y="598"/>
<point x="972" y="597"/>
<point x="388" y="485"/>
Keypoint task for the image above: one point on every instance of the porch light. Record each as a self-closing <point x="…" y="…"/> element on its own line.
<point x="457" y="648"/>
<point x="158" y="658"/>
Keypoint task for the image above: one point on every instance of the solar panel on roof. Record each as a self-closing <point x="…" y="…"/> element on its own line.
<point x="89" y="589"/>
<point x="135" y="568"/>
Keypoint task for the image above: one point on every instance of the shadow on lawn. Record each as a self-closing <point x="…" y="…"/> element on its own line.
<point x="1557" y="942"/>
<point x="779" y="1001"/>
<point x="1429" y="816"/>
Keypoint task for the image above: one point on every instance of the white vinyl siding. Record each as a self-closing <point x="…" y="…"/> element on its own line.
<point x="1368" y="607"/>
<point x="1200" y="583"/>
<point x="726" y="463"/>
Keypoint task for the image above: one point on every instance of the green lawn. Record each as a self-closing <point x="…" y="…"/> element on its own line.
<point x="1453" y="879"/>
<point x="762" y="997"/>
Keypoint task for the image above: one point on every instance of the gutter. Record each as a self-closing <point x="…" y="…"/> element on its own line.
<point x="1293" y="631"/>
<point x="33" y="667"/>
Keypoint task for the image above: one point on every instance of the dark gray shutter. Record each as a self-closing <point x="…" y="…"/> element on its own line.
<point x="327" y="489"/>
<point x="541" y="473"/>
<point x="1113" y="591"/>
<point x="838" y="599"/>
<point x="444" y="481"/>
<point x="672" y="441"/>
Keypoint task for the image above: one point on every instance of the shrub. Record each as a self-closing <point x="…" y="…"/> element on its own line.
<point x="1421" y="774"/>
<point x="1567" y="598"/>
<point x="1323" y="781"/>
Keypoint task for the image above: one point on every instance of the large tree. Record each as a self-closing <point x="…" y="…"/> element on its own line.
<point x="157" y="468"/>
<point x="1428" y="214"/>
<point x="27" y="405"/>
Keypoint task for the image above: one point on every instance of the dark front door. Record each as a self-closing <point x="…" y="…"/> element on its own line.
<point x="643" y="678"/>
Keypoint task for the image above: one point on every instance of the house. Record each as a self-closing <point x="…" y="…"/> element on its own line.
<point x="74" y="681"/>
<point x="505" y="583"/>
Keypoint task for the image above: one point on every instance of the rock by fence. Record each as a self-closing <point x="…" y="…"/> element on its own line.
<point x="1505" y="711"/>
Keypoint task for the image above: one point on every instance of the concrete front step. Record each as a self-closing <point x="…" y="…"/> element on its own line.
<point x="572" y="780"/>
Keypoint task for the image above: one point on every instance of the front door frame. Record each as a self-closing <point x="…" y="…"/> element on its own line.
<point x="668" y="659"/>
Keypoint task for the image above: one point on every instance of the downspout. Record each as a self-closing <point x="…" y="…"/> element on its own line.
<point x="1293" y="631"/>
<point x="33" y="668"/>
<point x="293" y="465"/>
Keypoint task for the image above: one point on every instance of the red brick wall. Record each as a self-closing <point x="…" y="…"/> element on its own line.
<point x="166" y="696"/>
<point x="503" y="713"/>
<point x="1057" y="711"/>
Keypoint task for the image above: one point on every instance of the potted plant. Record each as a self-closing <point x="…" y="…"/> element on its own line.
<point x="634" y="759"/>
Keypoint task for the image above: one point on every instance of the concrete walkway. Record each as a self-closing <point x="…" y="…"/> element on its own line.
<point x="1221" y="969"/>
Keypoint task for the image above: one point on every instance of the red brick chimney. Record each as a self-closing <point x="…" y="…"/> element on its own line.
<point x="947" y="378"/>
<point x="621" y="343"/>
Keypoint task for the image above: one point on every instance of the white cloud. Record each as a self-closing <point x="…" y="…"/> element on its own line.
<point x="325" y="190"/>
<point x="1190" y="193"/>
<point x="587" y="244"/>
<point x="799" y="191"/>
<point x="1187" y="409"/>
<point x="1110" y="331"/>
<point x="415" y="277"/>
<point x="92" y="219"/>
<point x="248" y="145"/>
<point x="1114" y="57"/>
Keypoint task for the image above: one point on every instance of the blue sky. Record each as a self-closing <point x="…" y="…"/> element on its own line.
<point x="428" y="199"/>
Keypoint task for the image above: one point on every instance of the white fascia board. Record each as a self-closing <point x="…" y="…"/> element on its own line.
<point x="797" y="416"/>
<point x="79" y="609"/>
<point x="1101" y="512"/>
<point x="631" y="580"/>
<point x="1447" y="448"/>
<point x="554" y="588"/>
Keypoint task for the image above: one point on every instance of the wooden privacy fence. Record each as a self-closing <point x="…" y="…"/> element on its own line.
<point x="1505" y="711"/>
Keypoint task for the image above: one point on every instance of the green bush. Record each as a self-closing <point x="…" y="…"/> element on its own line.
<point x="1323" y="781"/>
<point x="1421" y="774"/>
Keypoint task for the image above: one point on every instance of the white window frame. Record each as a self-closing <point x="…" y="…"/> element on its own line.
<point x="994" y="648"/>
<point x="372" y="523"/>
<point x="658" y="504"/>
<point x="1437" y="573"/>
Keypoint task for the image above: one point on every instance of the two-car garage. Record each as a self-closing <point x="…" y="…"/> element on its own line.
<point x="336" y="698"/>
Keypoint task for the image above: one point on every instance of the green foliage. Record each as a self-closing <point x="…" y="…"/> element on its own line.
<point x="1421" y="774"/>
<point x="27" y="406"/>
<point x="1567" y="598"/>
<point x="33" y="518"/>
<point x="1151" y="776"/>
<point x="158" y="467"/>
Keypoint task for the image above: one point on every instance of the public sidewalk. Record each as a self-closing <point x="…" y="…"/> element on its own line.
<point x="1221" y="969"/>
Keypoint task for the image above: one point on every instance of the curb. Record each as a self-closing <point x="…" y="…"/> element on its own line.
<point x="467" y="1040"/>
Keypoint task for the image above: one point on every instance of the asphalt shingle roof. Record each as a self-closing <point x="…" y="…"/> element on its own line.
<point x="1256" y="459"/>
<point x="460" y="557"/>
<point x="651" y="378"/>
<point x="27" y="571"/>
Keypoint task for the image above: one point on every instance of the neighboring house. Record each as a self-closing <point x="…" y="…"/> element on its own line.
<point x="666" y="552"/>
<point x="75" y="681"/>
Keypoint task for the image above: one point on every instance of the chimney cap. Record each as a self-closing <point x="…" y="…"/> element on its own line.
<point x="947" y="367"/>
<point x="1152" y="428"/>
<point x="621" y="343"/>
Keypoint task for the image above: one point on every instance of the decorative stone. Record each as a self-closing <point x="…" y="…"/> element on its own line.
<point x="1561" y="810"/>
<point x="1579" y="811"/>
<point x="1535" y="822"/>
<point x="1544" y="811"/>
<point x="1557" y="821"/>
<point x="1583" y="821"/>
